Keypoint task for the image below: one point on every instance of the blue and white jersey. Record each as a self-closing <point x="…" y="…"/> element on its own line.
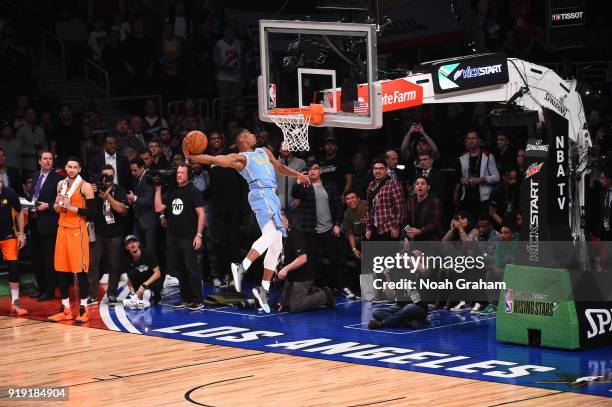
<point x="260" y="175"/>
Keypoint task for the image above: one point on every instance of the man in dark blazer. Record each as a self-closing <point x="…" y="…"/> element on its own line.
<point x="433" y="175"/>
<point x="118" y="161"/>
<point x="43" y="226"/>
<point x="141" y="197"/>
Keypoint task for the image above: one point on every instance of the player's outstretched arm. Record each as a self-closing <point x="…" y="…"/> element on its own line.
<point x="235" y="161"/>
<point x="284" y="170"/>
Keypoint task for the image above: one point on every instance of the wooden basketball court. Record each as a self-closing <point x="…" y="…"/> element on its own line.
<point x="107" y="368"/>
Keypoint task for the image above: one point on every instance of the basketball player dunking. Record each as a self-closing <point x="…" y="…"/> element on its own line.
<point x="257" y="165"/>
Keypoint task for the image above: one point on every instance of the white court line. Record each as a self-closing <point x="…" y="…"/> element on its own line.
<point x="120" y="311"/>
<point x="246" y="315"/>
<point x="105" y="315"/>
<point x="353" y="326"/>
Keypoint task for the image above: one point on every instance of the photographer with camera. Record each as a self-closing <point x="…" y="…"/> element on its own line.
<point x="183" y="207"/>
<point x="109" y="226"/>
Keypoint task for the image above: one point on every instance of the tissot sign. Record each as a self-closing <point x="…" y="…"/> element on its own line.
<point x="561" y="17"/>
<point x="469" y="72"/>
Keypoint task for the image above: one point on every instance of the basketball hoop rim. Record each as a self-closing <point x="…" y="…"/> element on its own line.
<point x="315" y="111"/>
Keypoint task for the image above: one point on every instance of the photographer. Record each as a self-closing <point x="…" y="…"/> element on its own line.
<point x="183" y="207"/>
<point x="109" y="226"/>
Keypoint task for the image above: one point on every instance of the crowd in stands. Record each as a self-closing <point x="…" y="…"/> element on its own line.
<point x="431" y="173"/>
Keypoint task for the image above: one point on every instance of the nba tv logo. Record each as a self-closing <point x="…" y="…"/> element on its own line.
<point x="509" y="303"/>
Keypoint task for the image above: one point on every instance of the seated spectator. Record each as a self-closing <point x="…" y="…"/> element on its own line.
<point x="504" y="254"/>
<point x="137" y="125"/>
<point x="300" y="293"/>
<point x="505" y="196"/>
<point x="459" y="227"/>
<point x="170" y="55"/>
<point x="144" y="275"/>
<point x="386" y="205"/>
<point x="353" y="223"/>
<point x="167" y="142"/>
<point x="264" y="140"/>
<point x="485" y="236"/>
<point x="423" y="213"/>
<point x="153" y="123"/>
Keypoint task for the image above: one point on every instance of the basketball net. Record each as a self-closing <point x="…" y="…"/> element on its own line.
<point x="294" y="123"/>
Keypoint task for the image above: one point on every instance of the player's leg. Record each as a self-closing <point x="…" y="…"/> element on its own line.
<point x="270" y="262"/>
<point x="268" y="236"/>
<point x="83" y="294"/>
<point x="10" y="253"/>
<point x="63" y="281"/>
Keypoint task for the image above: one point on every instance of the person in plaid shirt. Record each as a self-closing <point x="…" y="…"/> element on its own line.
<point x="386" y="205"/>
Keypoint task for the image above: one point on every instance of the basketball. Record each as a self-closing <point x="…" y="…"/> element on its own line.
<point x="196" y="142"/>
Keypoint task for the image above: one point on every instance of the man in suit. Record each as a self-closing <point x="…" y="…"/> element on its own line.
<point x="43" y="226"/>
<point x="141" y="198"/>
<point x="111" y="157"/>
<point x="433" y="176"/>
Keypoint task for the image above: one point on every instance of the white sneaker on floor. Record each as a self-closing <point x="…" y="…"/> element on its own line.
<point x="124" y="278"/>
<point x="461" y="307"/>
<point x="348" y="293"/>
<point x="217" y="283"/>
<point x="104" y="279"/>
<point x="170" y="281"/>
<point x="476" y="309"/>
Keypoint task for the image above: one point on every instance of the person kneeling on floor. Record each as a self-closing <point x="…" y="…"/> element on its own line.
<point x="409" y="308"/>
<point x="144" y="276"/>
<point x="300" y="293"/>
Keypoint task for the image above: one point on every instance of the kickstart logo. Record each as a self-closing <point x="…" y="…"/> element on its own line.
<point x="444" y="72"/>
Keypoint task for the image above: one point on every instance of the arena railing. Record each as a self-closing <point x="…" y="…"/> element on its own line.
<point x="121" y="107"/>
<point x="94" y="74"/>
<point x="47" y="39"/>
<point x="202" y="105"/>
<point x="222" y="108"/>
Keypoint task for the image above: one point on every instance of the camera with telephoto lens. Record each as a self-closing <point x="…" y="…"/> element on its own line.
<point x="162" y="177"/>
<point x="104" y="182"/>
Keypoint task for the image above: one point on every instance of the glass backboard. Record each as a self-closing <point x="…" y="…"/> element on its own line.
<point x="333" y="64"/>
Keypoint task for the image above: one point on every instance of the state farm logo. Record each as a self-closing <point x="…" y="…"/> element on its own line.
<point x="533" y="169"/>
<point x="398" y="97"/>
<point x="600" y="320"/>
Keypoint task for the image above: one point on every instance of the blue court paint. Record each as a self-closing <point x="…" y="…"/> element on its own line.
<point x="457" y="345"/>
